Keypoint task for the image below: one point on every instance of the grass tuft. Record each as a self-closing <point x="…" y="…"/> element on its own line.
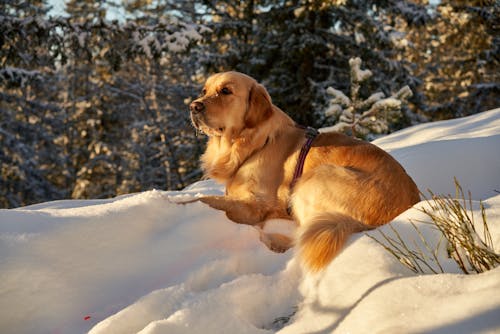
<point x="470" y="248"/>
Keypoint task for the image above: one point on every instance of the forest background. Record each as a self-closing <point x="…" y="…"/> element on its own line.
<point x="94" y="105"/>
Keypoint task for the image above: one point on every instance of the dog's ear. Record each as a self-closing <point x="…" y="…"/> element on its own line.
<point x="259" y="106"/>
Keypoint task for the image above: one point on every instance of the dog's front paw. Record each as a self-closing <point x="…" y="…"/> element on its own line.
<point x="278" y="243"/>
<point x="183" y="200"/>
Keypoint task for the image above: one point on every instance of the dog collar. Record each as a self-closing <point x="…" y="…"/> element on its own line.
<point x="310" y="134"/>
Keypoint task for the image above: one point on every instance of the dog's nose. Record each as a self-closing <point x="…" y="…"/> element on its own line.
<point x="197" y="107"/>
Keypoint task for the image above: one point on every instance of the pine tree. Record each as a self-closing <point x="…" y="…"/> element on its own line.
<point x="85" y="11"/>
<point x="31" y="162"/>
<point x="91" y="97"/>
<point x="23" y="9"/>
<point x="364" y="118"/>
<point x="455" y="54"/>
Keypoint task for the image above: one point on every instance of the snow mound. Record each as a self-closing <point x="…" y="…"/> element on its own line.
<point x="466" y="148"/>
<point x="141" y="263"/>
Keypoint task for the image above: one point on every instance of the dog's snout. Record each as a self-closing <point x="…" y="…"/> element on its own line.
<point x="197" y="107"/>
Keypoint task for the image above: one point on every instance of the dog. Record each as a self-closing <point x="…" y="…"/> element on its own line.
<point x="340" y="186"/>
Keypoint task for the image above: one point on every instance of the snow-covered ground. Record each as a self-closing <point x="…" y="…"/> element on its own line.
<point x="141" y="263"/>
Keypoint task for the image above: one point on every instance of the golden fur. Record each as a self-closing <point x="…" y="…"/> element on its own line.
<point x="348" y="185"/>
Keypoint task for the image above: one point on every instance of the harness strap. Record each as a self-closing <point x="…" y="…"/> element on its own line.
<point x="311" y="134"/>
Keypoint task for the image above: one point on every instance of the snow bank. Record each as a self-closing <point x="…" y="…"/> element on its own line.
<point x="366" y="290"/>
<point x="468" y="148"/>
<point x="65" y="261"/>
<point x="141" y="263"/>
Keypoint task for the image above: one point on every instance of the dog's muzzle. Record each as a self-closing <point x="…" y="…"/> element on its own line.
<point x="200" y="122"/>
<point x="197" y="109"/>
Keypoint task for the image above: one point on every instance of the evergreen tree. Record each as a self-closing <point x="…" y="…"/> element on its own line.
<point x="85" y="11"/>
<point x="32" y="164"/>
<point x="23" y="9"/>
<point x="456" y="56"/>
<point x="85" y="140"/>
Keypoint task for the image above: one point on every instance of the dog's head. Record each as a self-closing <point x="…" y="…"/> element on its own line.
<point x="230" y="102"/>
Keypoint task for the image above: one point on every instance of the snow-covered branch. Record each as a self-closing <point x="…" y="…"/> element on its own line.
<point x="18" y="76"/>
<point x="167" y="35"/>
<point x="363" y="117"/>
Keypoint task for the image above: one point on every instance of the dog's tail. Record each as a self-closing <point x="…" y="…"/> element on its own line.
<point x="323" y="236"/>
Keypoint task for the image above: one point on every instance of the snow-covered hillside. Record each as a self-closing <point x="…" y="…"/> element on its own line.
<point x="141" y="263"/>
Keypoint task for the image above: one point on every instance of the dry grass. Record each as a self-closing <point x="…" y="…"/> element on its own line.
<point x="469" y="246"/>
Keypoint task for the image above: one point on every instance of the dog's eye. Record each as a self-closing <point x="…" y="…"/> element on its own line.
<point x="203" y="92"/>
<point x="225" y="91"/>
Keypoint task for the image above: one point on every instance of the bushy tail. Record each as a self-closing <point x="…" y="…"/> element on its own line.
<point x="323" y="236"/>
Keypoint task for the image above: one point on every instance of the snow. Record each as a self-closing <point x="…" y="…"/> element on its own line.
<point x="359" y="75"/>
<point x="361" y="116"/>
<point x="466" y="148"/>
<point x="339" y="97"/>
<point x="177" y="41"/>
<point x="142" y="263"/>
<point x="18" y="74"/>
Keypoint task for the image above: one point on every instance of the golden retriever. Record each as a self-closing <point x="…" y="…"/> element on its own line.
<point x="347" y="185"/>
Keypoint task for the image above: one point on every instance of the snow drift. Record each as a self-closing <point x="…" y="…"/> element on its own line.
<point x="141" y="263"/>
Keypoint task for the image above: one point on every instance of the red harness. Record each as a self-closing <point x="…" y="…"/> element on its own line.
<point x="311" y="134"/>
